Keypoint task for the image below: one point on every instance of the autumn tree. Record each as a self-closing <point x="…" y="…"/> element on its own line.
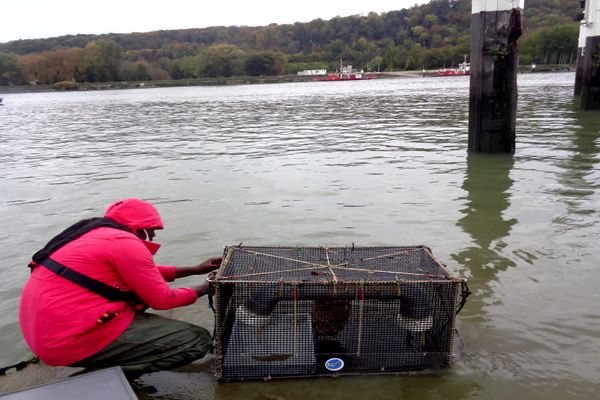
<point x="52" y="66"/>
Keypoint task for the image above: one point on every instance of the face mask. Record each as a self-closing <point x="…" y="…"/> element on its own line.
<point x="153" y="247"/>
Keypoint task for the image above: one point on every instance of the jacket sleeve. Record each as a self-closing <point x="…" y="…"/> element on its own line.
<point x="135" y="265"/>
<point x="168" y="272"/>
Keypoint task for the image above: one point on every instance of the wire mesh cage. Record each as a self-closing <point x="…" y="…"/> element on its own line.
<point x="302" y="311"/>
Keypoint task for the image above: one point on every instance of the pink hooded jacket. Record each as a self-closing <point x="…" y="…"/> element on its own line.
<point x="59" y="318"/>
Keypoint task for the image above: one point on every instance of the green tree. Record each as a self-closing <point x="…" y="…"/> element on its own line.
<point x="10" y="73"/>
<point x="336" y="47"/>
<point x="222" y="60"/>
<point x="175" y="70"/>
<point x="136" y="71"/>
<point x="391" y="58"/>
<point x="102" y="61"/>
<point x="412" y="59"/>
<point x="364" y="51"/>
<point x="264" y="63"/>
<point x="185" y="68"/>
<point x="553" y="45"/>
<point x="430" y="20"/>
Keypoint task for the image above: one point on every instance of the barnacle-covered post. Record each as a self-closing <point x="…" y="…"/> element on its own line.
<point x="495" y="28"/>
<point x="590" y="55"/>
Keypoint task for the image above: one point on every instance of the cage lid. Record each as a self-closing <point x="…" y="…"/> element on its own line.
<point x="330" y="265"/>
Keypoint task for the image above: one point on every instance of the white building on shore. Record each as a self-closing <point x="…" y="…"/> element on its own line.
<point x="313" y="72"/>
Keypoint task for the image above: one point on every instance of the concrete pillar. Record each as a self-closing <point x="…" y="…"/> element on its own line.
<point x="590" y="70"/>
<point x="495" y="28"/>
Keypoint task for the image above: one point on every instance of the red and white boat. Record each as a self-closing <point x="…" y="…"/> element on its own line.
<point x="463" y="69"/>
<point x="347" y="73"/>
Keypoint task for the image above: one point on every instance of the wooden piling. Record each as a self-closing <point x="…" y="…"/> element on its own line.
<point x="590" y="76"/>
<point x="590" y="69"/>
<point x="495" y="28"/>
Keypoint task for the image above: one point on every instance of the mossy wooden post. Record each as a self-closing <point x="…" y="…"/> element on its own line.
<point x="590" y="72"/>
<point x="495" y="28"/>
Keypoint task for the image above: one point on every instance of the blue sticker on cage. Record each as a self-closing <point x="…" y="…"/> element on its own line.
<point x="334" y="364"/>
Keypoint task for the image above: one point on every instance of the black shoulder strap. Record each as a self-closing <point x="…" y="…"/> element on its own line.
<point x="72" y="233"/>
<point x="101" y="288"/>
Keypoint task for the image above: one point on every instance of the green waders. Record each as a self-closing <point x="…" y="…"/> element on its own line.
<point x="152" y="343"/>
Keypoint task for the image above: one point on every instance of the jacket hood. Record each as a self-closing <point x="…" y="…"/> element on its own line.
<point x="135" y="214"/>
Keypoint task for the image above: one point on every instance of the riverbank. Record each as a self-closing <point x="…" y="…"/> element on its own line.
<point x="237" y="80"/>
<point x="74" y="86"/>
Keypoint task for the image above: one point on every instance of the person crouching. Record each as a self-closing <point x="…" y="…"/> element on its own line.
<point x="84" y="303"/>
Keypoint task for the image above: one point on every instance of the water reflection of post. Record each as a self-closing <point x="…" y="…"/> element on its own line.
<point x="487" y="184"/>
<point x="577" y="187"/>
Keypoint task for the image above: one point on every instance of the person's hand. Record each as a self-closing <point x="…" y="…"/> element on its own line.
<point x="202" y="289"/>
<point x="204" y="267"/>
<point x="209" y="265"/>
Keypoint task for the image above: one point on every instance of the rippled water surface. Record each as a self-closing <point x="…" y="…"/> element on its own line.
<point x="379" y="162"/>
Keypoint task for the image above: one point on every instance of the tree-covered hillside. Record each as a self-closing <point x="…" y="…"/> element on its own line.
<point x="428" y="36"/>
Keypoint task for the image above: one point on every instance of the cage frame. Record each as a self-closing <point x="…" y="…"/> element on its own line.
<point x="220" y="278"/>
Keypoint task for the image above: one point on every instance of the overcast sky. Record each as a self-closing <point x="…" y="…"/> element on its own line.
<point x="32" y="19"/>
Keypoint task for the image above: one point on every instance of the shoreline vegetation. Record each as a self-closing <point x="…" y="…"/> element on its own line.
<point x="230" y="81"/>
<point x="428" y="36"/>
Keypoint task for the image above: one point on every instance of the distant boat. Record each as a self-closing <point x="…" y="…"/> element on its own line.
<point x="347" y="73"/>
<point x="463" y="69"/>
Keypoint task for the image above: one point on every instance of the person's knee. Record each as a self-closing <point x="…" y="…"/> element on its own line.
<point x="202" y="340"/>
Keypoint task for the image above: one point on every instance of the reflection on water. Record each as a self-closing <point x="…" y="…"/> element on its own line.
<point x="379" y="162"/>
<point x="580" y="179"/>
<point x="487" y="184"/>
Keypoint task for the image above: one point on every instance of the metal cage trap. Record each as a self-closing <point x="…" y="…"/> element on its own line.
<point x="308" y="311"/>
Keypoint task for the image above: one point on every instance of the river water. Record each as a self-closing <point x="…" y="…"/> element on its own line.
<point x="379" y="162"/>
